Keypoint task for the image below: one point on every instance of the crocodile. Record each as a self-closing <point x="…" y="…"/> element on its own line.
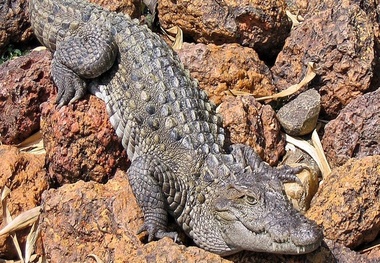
<point x="223" y="196"/>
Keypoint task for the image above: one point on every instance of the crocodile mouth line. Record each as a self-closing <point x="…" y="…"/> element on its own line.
<point x="284" y="245"/>
<point x="280" y="247"/>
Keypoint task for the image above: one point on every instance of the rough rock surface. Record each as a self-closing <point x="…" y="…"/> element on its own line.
<point x="24" y="175"/>
<point x="301" y="194"/>
<point x="258" y="24"/>
<point x="25" y="84"/>
<point x="297" y="6"/>
<point x="299" y="116"/>
<point x="249" y="122"/>
<point x="340" y="41"/>
<point x="80" y="142"/>
<point x="14" y="24"/>
<point x="90" y="218"/>
<point x="347" y="204"/>
<point x="220" y="69"/>
<point x="355" y="132"/>
<point x="343" y="254"/>
<point x="373" y="253"/>
<point x="130" y="7"/>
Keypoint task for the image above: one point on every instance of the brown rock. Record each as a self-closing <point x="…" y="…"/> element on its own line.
<point x="297" y="6"/>
<point x="14" y="23"/>
<point x="347" y="204"/>
<point x="373" y="253"/>
<point x="340" y="41"/>
<point x="24" y="175"/>
<point x="300" y="195"/>
<point x="80" y="142"/>
<point x="322" y="254"/>
<point x="355" y="132"/>
<point x="372" y="10"/>
<point x="90" y="218"/>
<point x="25" y="85"/>
<point x="346" y="255"/>
<point x="258" y="24"/>
<point x="130" y="7"/>
<point x="249" y="122"/>
<point x="220" y="69"/>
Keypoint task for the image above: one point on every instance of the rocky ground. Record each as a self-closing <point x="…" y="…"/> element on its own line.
<point x="239" y="51"/>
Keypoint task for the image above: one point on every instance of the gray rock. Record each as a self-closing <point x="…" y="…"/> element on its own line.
<point x="299" y="117"/>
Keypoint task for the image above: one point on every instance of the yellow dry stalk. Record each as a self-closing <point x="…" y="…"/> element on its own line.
<point x="315" y="151"/>
<point x="97" y="259"/>
<point x="34" y="144"/>
<point x="310" y="74"/>
<point x="178" y="39"/>
<point x="21" y="221"/>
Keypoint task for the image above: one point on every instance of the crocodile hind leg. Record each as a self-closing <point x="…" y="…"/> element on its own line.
<point x="85" y="53"/>
<point x="143" y="177"/>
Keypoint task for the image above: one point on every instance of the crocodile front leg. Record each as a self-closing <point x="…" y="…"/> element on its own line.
<point x="85" y="53"/>
<point x="144" y="176"/>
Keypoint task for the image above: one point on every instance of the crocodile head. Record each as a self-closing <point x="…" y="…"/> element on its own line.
<point x="255" y="215"/>
<point x="250" y="211"/>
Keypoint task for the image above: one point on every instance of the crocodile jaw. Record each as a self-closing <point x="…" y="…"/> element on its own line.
<point x="239" y="237"/>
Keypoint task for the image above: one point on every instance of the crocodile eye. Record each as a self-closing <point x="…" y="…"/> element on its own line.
<point x="250" y="199"/>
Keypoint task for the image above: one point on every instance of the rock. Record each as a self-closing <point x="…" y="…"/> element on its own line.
<point x="258" y="24"/>
<point x="90" y="218"/>
<point x="347" y="203"/>
<point x="130" y="7"/>
<point x="25" y="85"/>
<point x="340" y="42"/>
<point x="346" y="255"/>
<point x="322" y="254"/>
<point x="297" y="6"/>
<point x="249" y="122"/>
<point x="372" y="11"/>
<point x="299" y="117"/>
<point x="300" y="195"/>
<point x="220" y="69"/>
<point x="15" y="27"/>
<point x="355" y="132"/>
<point x="373" y="253"/>
<point x="24" y="174"/>
<point x="80" y="142"/>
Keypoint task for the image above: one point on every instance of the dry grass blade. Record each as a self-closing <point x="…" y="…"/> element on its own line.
<point x="294" y="88"/>
<point x="21" y="221"/>
<point x="39" y="48"/>
<point x="234" y="92"/>
<point x="369" y="248"/>
<point x="326" y="170"/>
<point x="97" y="259"/>
<point x="31" y="241"/>
<point x="311" y="150"/>
<point x="33" y="144"/>
<point x="294" y="18"/>
<point x="178" y="39"/>
<point x="7" y="218"/>
<point x="5" y="191"/>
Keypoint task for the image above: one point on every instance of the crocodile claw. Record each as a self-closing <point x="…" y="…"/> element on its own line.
<point x="70" y="86"/>
<point x="154" y="233"/>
